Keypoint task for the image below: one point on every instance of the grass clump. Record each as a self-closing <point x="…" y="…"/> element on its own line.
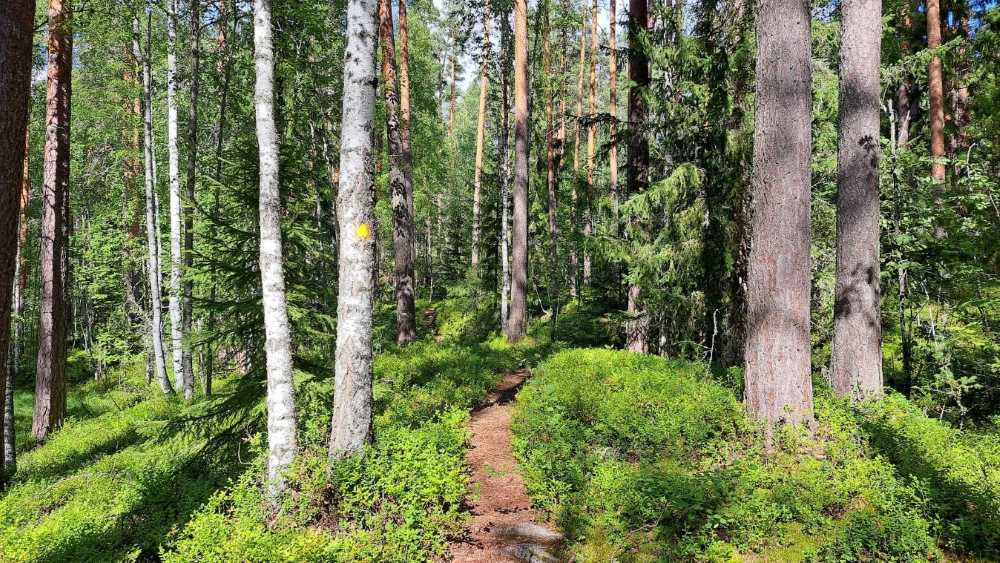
<point x="644" y="459"/>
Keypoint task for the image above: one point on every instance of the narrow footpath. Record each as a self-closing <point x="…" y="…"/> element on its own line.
<point x="504" y="526"/>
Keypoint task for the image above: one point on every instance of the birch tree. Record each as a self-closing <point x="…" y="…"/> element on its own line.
<point x="277" y="338"/>
<point x="152" y="253"/>
<point x="352" y="401"/>
<point x="176" y="224"/>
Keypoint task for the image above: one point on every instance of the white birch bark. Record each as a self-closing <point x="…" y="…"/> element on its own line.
<point x="173" y="169"/>
<point x="352" y="402"/>
<point x="277" y="343"/>
<point x="153" y="256"/>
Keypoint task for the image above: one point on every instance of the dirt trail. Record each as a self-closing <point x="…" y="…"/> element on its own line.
<point x="504" y="527"/>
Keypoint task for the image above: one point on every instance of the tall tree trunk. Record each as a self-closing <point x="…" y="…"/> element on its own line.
<point x="613" y="104"/>
<point x="152" y="252"/>
<point x="588" y="212"/>
<point x="9" y="464"/>
<point x="16" y="30"/>
<point x="277" y="337"/>
<point x="480" y="135"/>
<point x="637" y="173"/>
<point x="404" y="118"/>
<point x="352" y="401"/>
<point x="777" y="357"/>
<point x="574" y="260"/>
<point x="503" y="156"/>
<point x="402" y="222"/>
<point x="223" y="70"/>
<point x="551" y="159"/>
<point x="517" y="325"/>
<point x="176" y="225"/>
<point x="904" y="90"/>
<point x="49" y="374"/>
<point x="451" y="96"/>
<point x="935" y="88"/>
<point x="856" y="364"/>
<point x="192" y="180"/>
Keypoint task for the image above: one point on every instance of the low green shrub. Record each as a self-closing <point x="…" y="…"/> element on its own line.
<point x="958" y="472"/>
<point x="644" y="459"/>
<point x="400" y="499"/>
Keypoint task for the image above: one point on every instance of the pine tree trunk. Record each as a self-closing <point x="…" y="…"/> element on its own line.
<point x="552" y="163"/>
<point x="277" y="337"/>
<point x="402" y="222"/>
<point x="503" y="156"/>
<point x="480" y="135"/>
<point x="192" y="177"/>
<point x="15" y="75"/>
<point x="404" y="119"/>
<point x="20" y="284"/>
<point x="588" y="197"/>
<point x="574" y="260"/>
<point x="152" y="253"/>
<point x="352" y="407"/>
<point x="637" y="173"/>
<point x="517" y="325"/>
<point x="778" y="380"/>
<point x="451" y="97"/>
<point x="49" y="374"/>
<point x="613" y="104"/>
<point x="935" y="88"/>
<point x="856" y="363"/>
<point x="176" y="224"/>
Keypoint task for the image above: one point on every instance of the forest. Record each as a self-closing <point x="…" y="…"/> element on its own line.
<point x="500" y="280"/>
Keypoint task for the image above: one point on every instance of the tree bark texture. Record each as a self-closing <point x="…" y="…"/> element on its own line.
<point x="404" y="117"/>
<point x="16" y="29"/>
<point x="352" y="407"/>
<point x="480" y="135"/>
<point x="613" y="103"/>
<point x="856" y="364"/>
<point x="517" y="325"/>
<point x="588" y="197"/>
<point x="574" y="259"/>
<point x="50" y="367"/>
<point x="935" y="89"/>
<point x="281" y="441"/>
<point x="402" y="221"/>
<point x="176" y="223"/>
<point x="777" y="355"/>
<point x="637" y="173"/>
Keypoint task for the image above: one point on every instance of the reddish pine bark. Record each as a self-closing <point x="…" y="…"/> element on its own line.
<point x="49" y="375"/>
<point x="16" y="27"/>
<point x="935" y="88"/>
